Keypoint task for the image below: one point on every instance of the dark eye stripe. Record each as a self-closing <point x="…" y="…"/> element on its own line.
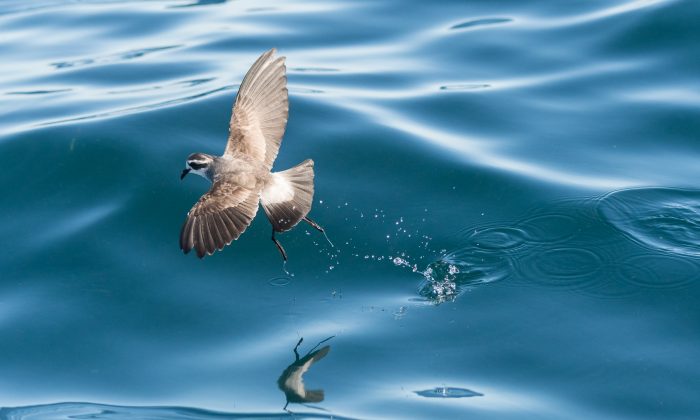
<point x="197" y="166"/>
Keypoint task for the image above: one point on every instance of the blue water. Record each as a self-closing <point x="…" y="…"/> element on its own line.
<point x="511" y="188"/>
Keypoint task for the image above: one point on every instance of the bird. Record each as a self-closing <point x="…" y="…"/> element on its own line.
<point x="291" y="382"/>
<point x="242" y="177"/>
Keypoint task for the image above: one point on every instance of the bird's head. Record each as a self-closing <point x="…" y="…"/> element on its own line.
<point x="198" y="163"/>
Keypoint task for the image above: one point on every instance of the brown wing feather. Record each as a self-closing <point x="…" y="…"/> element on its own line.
<point x="260" y="111"/>
<point x="218" y="218"/>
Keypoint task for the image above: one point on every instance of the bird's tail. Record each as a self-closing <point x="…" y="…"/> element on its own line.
<point x="288" y="196"/>
<point x="314" y="396"/>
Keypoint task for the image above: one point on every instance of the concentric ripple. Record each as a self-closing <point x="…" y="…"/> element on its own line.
<point x="659" y="271"/>
<point x="279" y="281"/>
<point x="659" y="218"/>
<point x="498" y="238"/>
<point x="570" y="268"/>
<point x="549" y="228"/>
<point x="567" y="245"/>
<point x="571" y="246"/>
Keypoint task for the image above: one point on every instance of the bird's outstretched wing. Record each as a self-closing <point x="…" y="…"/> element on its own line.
<point x="218" y="218"/>
<point x="260" y="111"/>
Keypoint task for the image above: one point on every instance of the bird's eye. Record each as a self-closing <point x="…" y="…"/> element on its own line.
<point x="196" y="165"/>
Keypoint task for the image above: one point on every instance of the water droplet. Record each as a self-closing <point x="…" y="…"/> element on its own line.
<point x="400" y="262"/>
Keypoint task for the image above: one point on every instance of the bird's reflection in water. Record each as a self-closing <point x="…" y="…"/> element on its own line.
<point x="291" y="382"/>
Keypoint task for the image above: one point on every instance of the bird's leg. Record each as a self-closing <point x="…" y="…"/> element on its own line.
<point x="314" y="225"/>
<point x="318" y="228"/>
<point x="296" y="353"/>
<point x="279" y="245"/>
<point x="319" y="343"/>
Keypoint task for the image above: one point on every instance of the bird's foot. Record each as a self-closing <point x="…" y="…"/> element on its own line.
<point x="279" y="246"/>
<point x="318" y="228"/>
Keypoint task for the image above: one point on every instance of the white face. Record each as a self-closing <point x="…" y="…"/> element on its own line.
<point x="198" y="167"/>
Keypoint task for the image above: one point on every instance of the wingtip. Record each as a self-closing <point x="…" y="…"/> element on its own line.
<point x="272" y="52"/>
<point x="183" y="246"/>
<point x="269" y="54"/>
<point x="206" y="253"/>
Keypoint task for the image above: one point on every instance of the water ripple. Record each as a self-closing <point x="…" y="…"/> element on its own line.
<point x="38" y="92"/>
<point x="660" y="218"/>
<point x="79" y="221"/>
<point x="570" y="268"/>
<point x="480" y="22"/>
<point x="549" y="228"/>
<point x="498" y="238"/>
<point x="448" y="392"/>
<point x="512" y="103"/>
<point x="481" y="151"/>
<point x="68" y="411"/>
<point x="313" y="69"/>
<point x="111" y="58"/>
<point x="198" y="3"/>
<point x="280" y="281"/>
<point x="466" y="86"/>
<point x="659" y="271"/>
<point x="139" y="108"/>
<point x="565" y="246"/>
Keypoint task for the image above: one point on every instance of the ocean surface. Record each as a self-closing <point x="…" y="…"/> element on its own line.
<point x="511" y="189"/>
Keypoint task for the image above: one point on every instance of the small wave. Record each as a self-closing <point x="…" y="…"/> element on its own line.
<point x="127" y="55"/>
<point x="261" y="9"/>
<point x="38" y="92"/>
<point x="659" y="218"/>
<point x="198" y="3"/>
<point x="306" y="90"/>
<point x="68" y="410"/>
<point x="79" y="221"/>
<point x="466" y="86"/>
<point x="313" y="69"/>
<point x="139" y="108"/>
<point x="169" y="86"/>
<point x="480" y="22"/>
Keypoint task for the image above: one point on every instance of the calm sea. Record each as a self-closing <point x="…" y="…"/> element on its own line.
<point x="509" y="186"/>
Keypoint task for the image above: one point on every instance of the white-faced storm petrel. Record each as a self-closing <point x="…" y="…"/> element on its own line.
<point x="242" y="175"/>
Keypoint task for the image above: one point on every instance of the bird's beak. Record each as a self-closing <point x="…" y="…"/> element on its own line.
<point x="184" y="173"/>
